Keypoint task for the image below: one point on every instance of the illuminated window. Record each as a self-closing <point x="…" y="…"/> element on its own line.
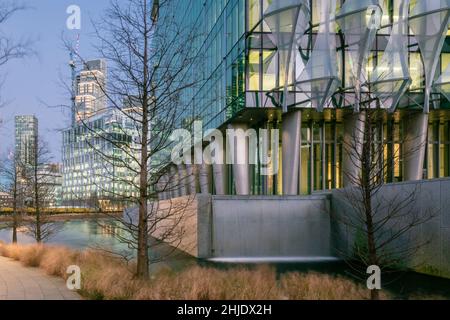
<point x="253" y="68"/>
<point x="348" y="73"/>
<point x="269" y="71"/>
<point x="416" y="70"/>
<point x="315" y="8"/>
<point x="305" y="181"/>
<point x="443" y="150"/>
<point x="386" y="7"/>
<point x="445" y="61"/>
<point x="254" y="13"/>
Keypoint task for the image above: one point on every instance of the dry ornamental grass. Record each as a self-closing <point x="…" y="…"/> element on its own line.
<point x="106" y="277"/>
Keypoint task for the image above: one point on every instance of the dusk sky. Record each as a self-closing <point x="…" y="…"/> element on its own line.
<point x="35" y="82"/>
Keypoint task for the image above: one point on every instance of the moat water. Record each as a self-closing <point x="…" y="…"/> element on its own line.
<point x="84" y="234"/>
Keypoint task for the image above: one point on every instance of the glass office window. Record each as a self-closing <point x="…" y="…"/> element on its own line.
<point x="433" y="151"/>
<point x="315" y="12"/>
<point x="445" y="61"/>
<point x="253" y="70"/>
<point x="443" y="150"/>
<point x="279" y="177"/>
<point x="318" y="156"/>
<point x="416" y="70"/>
<point x="305" y="181"/>
<point x="329" y="156"/>
<point x="254" y="13"/>
<point x="269" y="69"/>
<point x="386" y="6"/>
<point x="348" y="76"/>
<point x="338" y="157"/>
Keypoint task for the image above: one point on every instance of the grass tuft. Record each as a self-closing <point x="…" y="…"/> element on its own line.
<point x="106" y="277"/>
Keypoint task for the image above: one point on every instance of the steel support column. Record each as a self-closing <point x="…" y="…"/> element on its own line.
<point x="291" y="143"/>
<point x="240" y="160"/>
<point x="354" y="125"/>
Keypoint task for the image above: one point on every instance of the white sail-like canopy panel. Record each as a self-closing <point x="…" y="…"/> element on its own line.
<point x="391" y="78"/>
<point x="429" y="22"/>
<point x="359" y="21"/>
<point x="443" y="83"/>
<point x="287" y="20"/>
<point x="319" y="80"/>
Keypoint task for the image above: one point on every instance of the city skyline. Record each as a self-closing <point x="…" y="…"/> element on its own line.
<point x="40" y="75"/>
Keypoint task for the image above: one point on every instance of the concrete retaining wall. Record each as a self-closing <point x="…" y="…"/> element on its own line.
<point x="270" y="226"/>
<point x="248" y="226"/>
<point x="431" y="200"/>
<point x="294" y="226"/>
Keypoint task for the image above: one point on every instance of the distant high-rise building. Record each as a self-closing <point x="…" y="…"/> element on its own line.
<point x="26" y="138"/>
<point x="87" y="178"/>
<point x="51" y="182"/>
<point x="89" y="96"/>
<point x="91" y="176"/>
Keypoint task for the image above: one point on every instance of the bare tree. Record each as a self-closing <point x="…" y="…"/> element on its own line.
<point x="382" y="223"/>
<point x="38" y="177"/>
<point x="149" y="78"/>
<point x="9" y="48"/>
<point x="10" y="170"/>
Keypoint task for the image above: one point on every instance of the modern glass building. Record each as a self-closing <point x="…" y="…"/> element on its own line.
<point x="306" y="67"/>
<point x="91" y="174"/>
<point x="51" y="174"/>
<point x="26" y="128"/>
<point x="89" y="179"/>
<point x="90" y="99"/>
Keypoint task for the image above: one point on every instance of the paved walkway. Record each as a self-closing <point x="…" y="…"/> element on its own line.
<point x="21" y="283"/>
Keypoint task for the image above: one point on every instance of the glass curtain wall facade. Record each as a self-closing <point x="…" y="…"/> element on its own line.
<point x="243" y="68"/>
<point x="89" y="98"/>
<point x="89" y="179"/>
<point x="26" y="128"/>
<point x="91" y="176"/>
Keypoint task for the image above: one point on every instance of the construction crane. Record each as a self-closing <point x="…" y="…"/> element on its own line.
<point x="73" y="67"/>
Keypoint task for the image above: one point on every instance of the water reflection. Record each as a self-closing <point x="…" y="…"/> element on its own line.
<point x="103" y="234"/>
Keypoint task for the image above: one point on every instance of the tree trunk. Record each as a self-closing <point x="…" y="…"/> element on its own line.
<point x="15" y="224"/>
<point x="142" y="258"/>
<point x="15" y="199"/>
<point x="36" y="193"/>
<point x="14" y="235"/>
<point x="374" y="295"/>
<point x="38" y="215"/>
<point x="367" y="184"/>
<point x="38" y="228"/>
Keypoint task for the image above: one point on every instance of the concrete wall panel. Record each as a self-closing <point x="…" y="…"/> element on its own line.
<point x="432" y="202"/>
<point x="256" y="226"/>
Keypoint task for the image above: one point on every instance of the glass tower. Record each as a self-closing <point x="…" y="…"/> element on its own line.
<point x="88" y="178"/>
<point x="26" y="128"/>
<point x="90" y="99"/>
